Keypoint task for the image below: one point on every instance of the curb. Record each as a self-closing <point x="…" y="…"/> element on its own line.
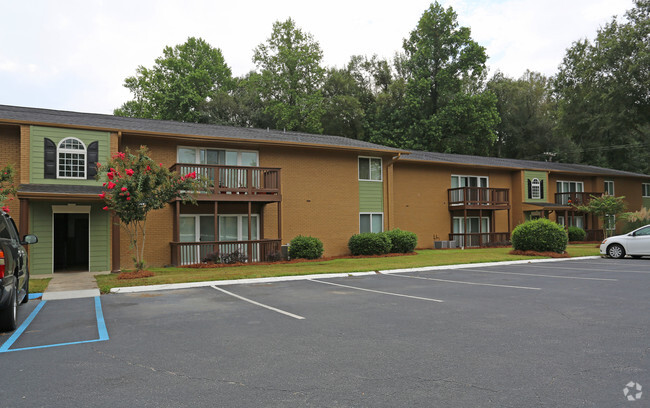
<point x="172" y="286"/>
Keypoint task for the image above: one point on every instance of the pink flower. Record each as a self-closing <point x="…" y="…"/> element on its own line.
<point x="148" y="168"/>
<point x="123" y="189"/>
<point x="129" y="172"/>
<point x="191" y="175"/>
<point x="128" y="198"/>
<point x="182" y="178"/>
<point x="102" y="195"/>
<point x="110" y="185"/>
<point x="160" y="164"/>
<point x="5" y="208"/>
<point x="105" y="208"/>
<point x="109" y="175"/>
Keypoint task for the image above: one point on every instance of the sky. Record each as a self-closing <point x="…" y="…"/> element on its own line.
<point x="74" y="55"/>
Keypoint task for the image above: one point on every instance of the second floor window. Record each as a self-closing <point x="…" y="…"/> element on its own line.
<point x="195" y="155"/>
<point x="535" y="189"/>
<point x="645" y="189"/>
<point x="609" y="187"/>
<point x="370" y="168"/>
<point x="71" y="159"/>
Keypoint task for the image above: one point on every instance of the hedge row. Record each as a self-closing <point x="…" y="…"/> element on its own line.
<point x="378" y="243"/>
<point x="540" y="235"/>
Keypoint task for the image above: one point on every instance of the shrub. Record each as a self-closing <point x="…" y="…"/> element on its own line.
<point x="539" y="235"/>
<point x="305" y="247"/>
<point x="577" y="234"/>
<point x="402" y="242"/>
<point x="369" y="243"/>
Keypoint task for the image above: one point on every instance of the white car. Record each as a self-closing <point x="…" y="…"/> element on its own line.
<point x="635" y="243"/>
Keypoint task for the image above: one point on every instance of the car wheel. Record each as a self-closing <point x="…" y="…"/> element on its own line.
<point x="616" y="251"/>
<point x="8" y="316"/>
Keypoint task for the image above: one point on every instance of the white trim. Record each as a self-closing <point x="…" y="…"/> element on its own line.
<point x="371" y="214"/>
<point x="381" y="168"/>
<point x="535" y="193"/>
<point x="582" y="183"/>
<point x="606" y="182"/>
<point x="645" y="190"/>
<point x="60" y="150"/>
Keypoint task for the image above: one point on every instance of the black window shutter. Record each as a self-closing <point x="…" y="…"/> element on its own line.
<point x="541" y="189"/>
<point x="530" y="189"/>
<point x="49" y="154"/>
<point x="93" y="157"/>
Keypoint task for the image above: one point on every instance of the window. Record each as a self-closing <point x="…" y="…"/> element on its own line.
<point x="71" y="159"/>
<point x="458" y="196"/>
<point x="576" y="221"/>
<point x="645" y="189"/>
<point x="370" y="169"/>
<point x="643" y="232"/>
<point x="610" y="223"/>
<point x="371" y="222"/>
<point x="195" y="155"/>
<point x="565" y="188"/>
<point x="609" y="187"/>
<point x="535" y="189"/>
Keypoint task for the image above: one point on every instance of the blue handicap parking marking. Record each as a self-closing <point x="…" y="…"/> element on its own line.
<point x="99" y="317"/>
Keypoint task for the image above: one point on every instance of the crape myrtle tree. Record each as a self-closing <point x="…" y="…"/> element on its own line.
<point x="606" y="208"/>
<point x="7" y="189"/>
<point x="134" y="186"/>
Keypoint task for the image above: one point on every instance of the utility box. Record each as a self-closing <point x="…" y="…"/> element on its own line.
<point x="444" y="244"/>
<point x="284" y="251"/>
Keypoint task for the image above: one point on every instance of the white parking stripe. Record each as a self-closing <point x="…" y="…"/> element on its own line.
<point x="377" y="291"/>
<point x="465" y="283"/>
<point x="536" y="275"/>
<point x="258" y="303"/>
<point x="587" y="270"/>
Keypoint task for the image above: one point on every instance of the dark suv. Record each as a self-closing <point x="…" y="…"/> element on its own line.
<point x="14" y="275"/>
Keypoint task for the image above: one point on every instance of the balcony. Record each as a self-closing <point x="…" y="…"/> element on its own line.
<point x="575" y="198"/>
<point x="478" y="198"/>
<point x="235" y="183"/>
<point x="188" y="253"/>
<point x="480" y="239"/>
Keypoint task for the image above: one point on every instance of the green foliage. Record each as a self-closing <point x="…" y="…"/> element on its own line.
<point x="603" y="207"/>
<point x="305" y="247"/>
<point x="637" y="219"/>
<point x="402" y="242"/>
<point x="291" y="77"/>
<point x="603" y="90"/>
<point x="136" y="185"/>
<point x="180" y="83"/>
<point x="445" y="104"/>
<point x="370" y="243"/>
<point x="539" y="235"/>
<point x="576" y="234"/>
<point x="7" y="189"/>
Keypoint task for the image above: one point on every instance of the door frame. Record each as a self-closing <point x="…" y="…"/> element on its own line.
<point x="71" y="209"/>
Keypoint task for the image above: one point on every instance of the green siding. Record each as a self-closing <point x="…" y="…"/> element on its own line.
<point x="371" y="196"/>
<point x="646" y="202"/>
<point x="542" y="176"/>
<point x="41" y="224"/>
<point x="40" y="254"/>
<point x="36" y="159"/>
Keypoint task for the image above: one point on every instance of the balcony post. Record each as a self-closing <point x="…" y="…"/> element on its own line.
<point x="480" y="227"/>
<point x="216" y="226"/>
<point x="250" y="243"/>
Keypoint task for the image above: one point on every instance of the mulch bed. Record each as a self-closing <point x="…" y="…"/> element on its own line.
<point x="293" y="261"/>
<point x="535" y="253"/>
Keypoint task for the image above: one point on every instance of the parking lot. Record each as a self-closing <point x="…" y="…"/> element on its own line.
<point x="566" y="334"/>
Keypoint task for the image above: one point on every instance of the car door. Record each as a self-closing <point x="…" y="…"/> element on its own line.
<point x="639" y="243"/>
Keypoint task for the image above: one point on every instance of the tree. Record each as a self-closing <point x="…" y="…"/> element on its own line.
<point x="136" y="185"/>
<point x="291" y="77"/>
<point x="604" y="93"/>
<point x="445" y="101"/>
<point x="606" y="208"/>
<point x="7" y="189"/>
<point x="181" y="81"/>
<point x="527" y="110"/>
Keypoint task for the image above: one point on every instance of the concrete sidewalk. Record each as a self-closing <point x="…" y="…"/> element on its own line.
<point x="71" y="285"/>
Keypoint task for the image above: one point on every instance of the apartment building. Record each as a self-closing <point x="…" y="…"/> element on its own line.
<point x="269" y="186"/>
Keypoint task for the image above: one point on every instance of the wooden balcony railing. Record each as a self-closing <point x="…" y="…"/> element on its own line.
<point x="188" y="253"/>
<point x="482" y="239"/>
<point x="575" y="198"/>
<point x="234" y="180"/>
<point x="478" y="197"/>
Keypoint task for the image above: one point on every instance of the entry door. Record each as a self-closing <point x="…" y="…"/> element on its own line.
<point x="196" y="228"/>
<point x="234" y="228"/>
<point x="71" y="242"/>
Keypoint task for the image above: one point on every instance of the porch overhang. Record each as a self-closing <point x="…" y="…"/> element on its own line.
<point x="59" y="192"/>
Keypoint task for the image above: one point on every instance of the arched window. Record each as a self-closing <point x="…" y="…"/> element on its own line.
<point x="535" y="189"/>
<point x="71" y="159"/>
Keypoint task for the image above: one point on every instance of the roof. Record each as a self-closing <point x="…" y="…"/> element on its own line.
<point x="463" y="159"/>
<point x="166" y="127"/>
<point x="59" y="189"/>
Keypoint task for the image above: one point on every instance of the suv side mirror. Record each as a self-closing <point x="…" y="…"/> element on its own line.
<point x="29" y="239"/>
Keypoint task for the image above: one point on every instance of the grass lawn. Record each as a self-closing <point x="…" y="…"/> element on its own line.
<point x="426" y="257"/>
<point x="38" y="285"/>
